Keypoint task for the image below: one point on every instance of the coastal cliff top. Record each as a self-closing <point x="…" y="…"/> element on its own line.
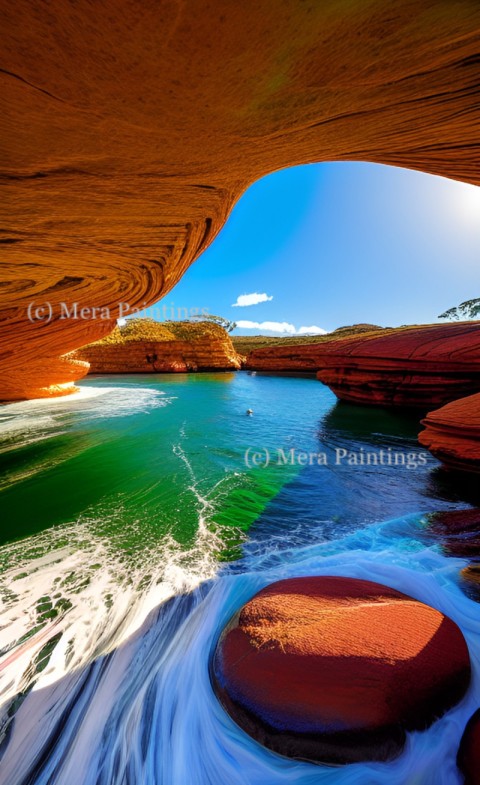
<point x="250" y="343"/>
<point x="137" y="330"/>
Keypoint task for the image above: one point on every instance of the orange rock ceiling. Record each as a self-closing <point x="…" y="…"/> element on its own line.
<point x="130" y="128"/>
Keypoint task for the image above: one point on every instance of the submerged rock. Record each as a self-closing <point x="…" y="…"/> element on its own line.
<point x="468" y="758"/>
<point x="457" y="530"/>
<point x="452" y="434"/>
<point x="336" y="670"/>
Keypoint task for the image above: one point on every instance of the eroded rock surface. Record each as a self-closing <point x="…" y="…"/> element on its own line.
<point x="129" y="132"/>
<point x="336" y="669"/>
<point x="452" y="434"/>
<point x="415" y="367"/>
<point x="175" y="347"/>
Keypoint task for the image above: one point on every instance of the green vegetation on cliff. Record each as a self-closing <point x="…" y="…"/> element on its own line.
<point x="143" y="329"/>
<point x="244" y="344"/>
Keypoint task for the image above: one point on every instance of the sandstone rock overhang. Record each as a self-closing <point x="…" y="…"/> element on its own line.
<point x="336" y="670"/>
<point x="129" y="131"/>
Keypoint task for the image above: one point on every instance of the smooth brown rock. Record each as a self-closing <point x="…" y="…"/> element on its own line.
<point x="337" y="669"/>
<point x="130" y="130"/>
<point x="452" y="434"/>
<point x="468" y="759"/>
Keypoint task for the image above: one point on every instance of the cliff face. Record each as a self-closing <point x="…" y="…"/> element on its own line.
<point x="286" y="357"/>
<point x="417" y="367"/>
<point x="412" y="366"/>
<point x="128" y="136"/>
<point x="155" y="348"/>
<point x="452" y="434"/>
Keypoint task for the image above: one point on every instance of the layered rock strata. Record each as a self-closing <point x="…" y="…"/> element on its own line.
<point x="160" y="348"/>
<point x="128" y="134"/>
<point x="285" y="357"/>
<point x="414" y="367"/>
<point x="417" y="367"/>
<point x="336" y="669"/>
<point x="452" y="434"/>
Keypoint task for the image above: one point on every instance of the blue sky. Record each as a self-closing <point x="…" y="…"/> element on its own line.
<point x="340" y="243"/>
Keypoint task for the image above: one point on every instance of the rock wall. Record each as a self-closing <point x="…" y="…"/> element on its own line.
<point x="287" y="357"/>
<point x="160" y="357"/>
<point x="417" y="367"/>
<point x="413" y="366"/>
<point x="129" y="132"/>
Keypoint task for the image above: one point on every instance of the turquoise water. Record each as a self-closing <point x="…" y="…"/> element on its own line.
<point x="133" y="526"/>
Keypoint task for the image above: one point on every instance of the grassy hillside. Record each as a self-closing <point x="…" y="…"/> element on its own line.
<point x="247" y="343"/>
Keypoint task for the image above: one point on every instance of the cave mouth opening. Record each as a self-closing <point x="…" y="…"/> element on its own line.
<point x="313" y="248"/>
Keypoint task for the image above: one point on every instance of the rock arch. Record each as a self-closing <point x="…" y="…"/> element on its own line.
<point x="131" y="129"/>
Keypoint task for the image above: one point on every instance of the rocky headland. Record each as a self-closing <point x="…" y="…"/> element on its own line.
<point x="146" y="346"/>
<point x="417" y="367"/>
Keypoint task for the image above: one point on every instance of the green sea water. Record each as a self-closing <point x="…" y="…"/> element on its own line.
<point x="147" y="456"/>
<point x="138" y="515"/>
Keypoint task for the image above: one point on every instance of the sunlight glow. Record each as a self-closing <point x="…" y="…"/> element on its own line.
<point x="469" y="201"/>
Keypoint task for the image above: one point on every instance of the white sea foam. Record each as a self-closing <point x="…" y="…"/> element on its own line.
<point x="131" y="701"/>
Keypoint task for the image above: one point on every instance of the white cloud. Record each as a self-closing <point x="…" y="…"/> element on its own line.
<point x="313" y="330"/>
<point x="280" y="327"/>
<point x="251" y="299"/>
<point x="274" y="327"/>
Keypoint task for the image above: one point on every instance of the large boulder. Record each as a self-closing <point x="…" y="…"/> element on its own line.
<point x="336" y="669"/>
<point x="129" y="130"/>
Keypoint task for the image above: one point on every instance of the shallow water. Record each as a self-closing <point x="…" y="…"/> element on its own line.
<point x="133" y="529"/>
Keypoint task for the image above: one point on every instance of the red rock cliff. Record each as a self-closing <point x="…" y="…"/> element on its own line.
<point x="410" y="366"/>
<point x="150" y="347"/>
<point x="415" y="366"/>
<point x="129" y="130"/>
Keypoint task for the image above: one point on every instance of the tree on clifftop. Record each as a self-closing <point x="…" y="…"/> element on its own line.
<point x="469" y="309"/>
